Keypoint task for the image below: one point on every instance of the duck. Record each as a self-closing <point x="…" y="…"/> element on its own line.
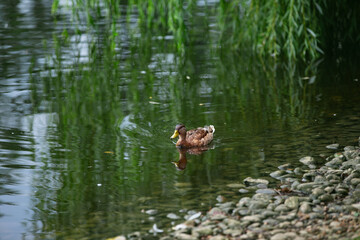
<point x="198" y="137"/>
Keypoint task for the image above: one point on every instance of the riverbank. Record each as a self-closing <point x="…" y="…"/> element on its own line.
<point x="318" y="200"/>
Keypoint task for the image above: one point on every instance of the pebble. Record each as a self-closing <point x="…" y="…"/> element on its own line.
<point x="249" y="181"/>
<point x="325" y="206"/>
<point x="333" y="146"/>
<point x="235" y="185"/>
<point x="242" y="190"/>
<point x="292" y="202"/>
<point x="305" y="207"/>
<point x="307" y="160"/>
<point x="172" y="216"/>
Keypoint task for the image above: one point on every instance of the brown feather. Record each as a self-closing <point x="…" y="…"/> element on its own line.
<point x="195" y="137"/>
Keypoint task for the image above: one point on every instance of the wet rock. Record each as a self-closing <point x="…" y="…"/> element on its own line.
<point x="355" y="181"/>
<point x="134" y="235"/>
<point x="193" y="216"/>
<point x="218" y="237"/>
<point x="292" y="202"/>
<point x="252" y="218"/>
<point x="326" y="198"/>
<point x="245" y="201"/>
<point x="307" y="160"/>
<point x="298" y="171"/>
<point x="268" y="213"/>
<point x="316" y="192"/>
<point x="307" y="187"/>
<point x="172" y="216"/>
<point x="281" y="208"/>
<point x="257" y="204"/>
<point x="233" y="232"/>
<point x="242" y="190"/>
<point x="277" y="174"/>
<point x="184" y="236"/>
<point x="235" y="185"/>
<point x="202" y="231"/>
<point x="305" y="207"/>
<point x="266" y="191"/>
<point x="151" y="212"/>
<point x="335" y="162"/>
<point x="271" y="222"/>
<point x="357" y="206"/>
<point x="216" y="214"/>
<point x="285" y="236"/>
<point x="249" y="181"/>
<point x="333" y="146"/>
<point x="232" y="223"/>
<point x="220" y="199"/>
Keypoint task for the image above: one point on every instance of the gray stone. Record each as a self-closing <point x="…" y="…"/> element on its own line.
<point x="268" y="191"/>
<point x="235" y="185"/>
<point x="252" y="181"/>
<point x="355" y="181"/>
<point x="316" y="192"/>
<point x="277" y="174"/>
<point x="269" y="213"/>
<point x="284" y="236"/>
<point x="172" y="216"/>
<point x="216" y="214"/>
<point x="326" y="198"/>
<point x="356" y="205"/>
<point x="287" y="217"/>
<point x="335" y="225"/>
<point x="334" y="162"/>
<point x="305" y="207"/>
<point x="281" y="208"/>
<point x="307" y="160"/>
<point x="319" y="179"/>
<point x="202" y="231"/>
<point x="218" y="237"/>
<point x="232" y="223"/>
<point x="271" y="222"/>
<point x="151" y="212"/>
<point x="261" y="197"/>
<point x="252" y="218"/>
<point x="242" y="190"/>
<point x="292" y="202"/>
<point x="329" y="189"/>
<point x="255" y="205"/>
<point x="245" y="201"/>
<point x="307" y="187"/>
<point x="233" y="232"/>
<point x="333" y="146"/>
<point x="184" y="236"/>
<point x="244" y="212"/>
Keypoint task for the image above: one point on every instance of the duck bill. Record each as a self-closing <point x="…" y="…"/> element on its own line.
<point x="176" y="133"/>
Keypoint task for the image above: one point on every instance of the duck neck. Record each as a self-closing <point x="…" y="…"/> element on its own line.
<point x="182" y="139"/>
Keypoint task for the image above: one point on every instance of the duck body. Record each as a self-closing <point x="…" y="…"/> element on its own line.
<point x="199" y="137"/>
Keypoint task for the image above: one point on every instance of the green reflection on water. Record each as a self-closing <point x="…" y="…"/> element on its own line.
<point x="119" y="91"/>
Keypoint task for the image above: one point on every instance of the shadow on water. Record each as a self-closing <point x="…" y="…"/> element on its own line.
<point x="182" y="162"/>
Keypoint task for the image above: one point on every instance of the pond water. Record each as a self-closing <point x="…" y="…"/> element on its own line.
<point x="85" y="142"/>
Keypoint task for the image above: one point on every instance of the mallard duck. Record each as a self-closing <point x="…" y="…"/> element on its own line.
<point x="201" y="136"/>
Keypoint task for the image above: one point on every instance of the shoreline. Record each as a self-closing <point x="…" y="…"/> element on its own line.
<point x="314" y="201"/>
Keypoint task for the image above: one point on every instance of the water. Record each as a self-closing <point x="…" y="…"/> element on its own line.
<point x="85" y="152"/>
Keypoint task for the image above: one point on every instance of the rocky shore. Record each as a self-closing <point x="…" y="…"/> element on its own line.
<point x="313" y="201"/>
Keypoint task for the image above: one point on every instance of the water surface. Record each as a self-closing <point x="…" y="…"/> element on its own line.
<point x="85" y="148"/>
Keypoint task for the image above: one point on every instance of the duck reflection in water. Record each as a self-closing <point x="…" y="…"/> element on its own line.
<point x="181" y="163"/>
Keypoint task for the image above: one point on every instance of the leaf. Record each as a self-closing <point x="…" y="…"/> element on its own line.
<point x="311" y="32"/>
<point x="319" y="8"/>
<point x="54" y="6"/>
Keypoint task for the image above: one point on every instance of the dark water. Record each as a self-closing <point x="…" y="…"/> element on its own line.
<point x="85" y="152"/>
